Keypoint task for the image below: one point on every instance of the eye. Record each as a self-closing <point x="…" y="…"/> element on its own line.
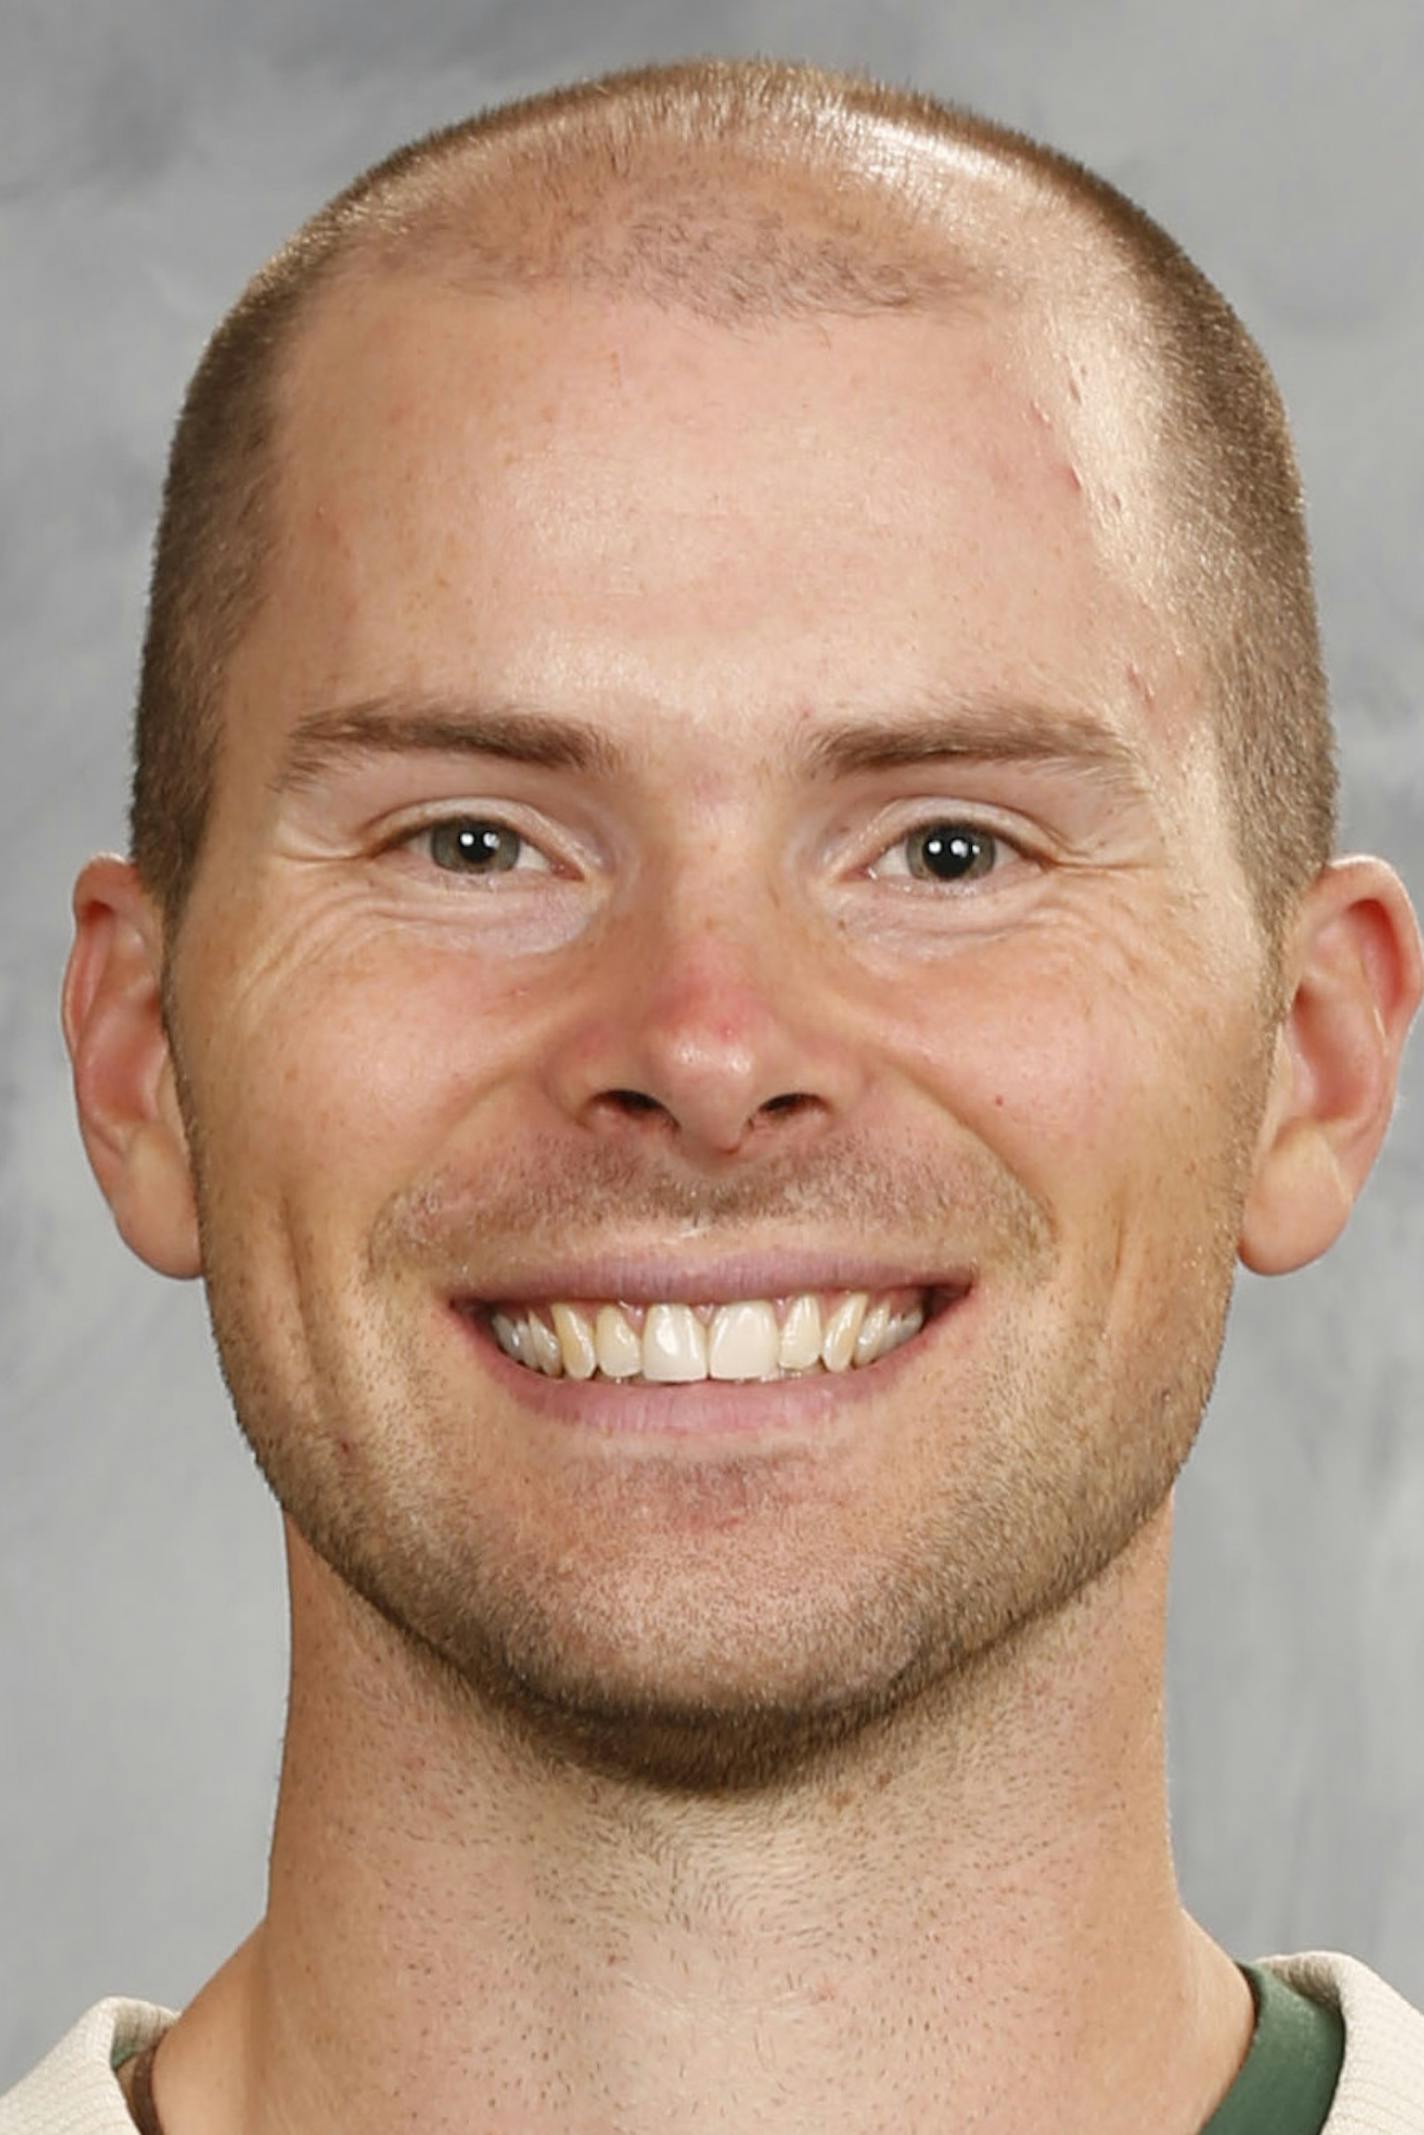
<point x="475" y="845"/>
<point x="945" y="850"/>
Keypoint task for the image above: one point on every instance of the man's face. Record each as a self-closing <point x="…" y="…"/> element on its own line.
<point x="1007" y="1006"/>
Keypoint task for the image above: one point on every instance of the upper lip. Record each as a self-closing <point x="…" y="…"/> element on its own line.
<point x="679" y="1278"/>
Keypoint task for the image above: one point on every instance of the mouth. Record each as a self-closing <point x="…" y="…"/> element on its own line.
<point x="814" y="1334"/>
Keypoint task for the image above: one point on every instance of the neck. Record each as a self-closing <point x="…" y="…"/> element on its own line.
<point x="974" y="1922"/>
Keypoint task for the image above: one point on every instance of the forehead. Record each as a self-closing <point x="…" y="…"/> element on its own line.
<point x="601" y="493"/>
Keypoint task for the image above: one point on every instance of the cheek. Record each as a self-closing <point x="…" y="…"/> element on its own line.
<point x="1093" y="1066"/>
<point x="346" y="1054"/>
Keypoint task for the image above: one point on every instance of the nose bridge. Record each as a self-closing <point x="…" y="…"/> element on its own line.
<point x="699" y="1015"/>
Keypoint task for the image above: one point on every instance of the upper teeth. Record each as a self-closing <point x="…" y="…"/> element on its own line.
<point x="751" y="1339"/>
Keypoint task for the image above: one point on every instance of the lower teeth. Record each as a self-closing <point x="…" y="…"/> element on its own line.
<point x="636" y="1378"/>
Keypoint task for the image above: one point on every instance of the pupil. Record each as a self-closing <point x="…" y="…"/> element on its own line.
<point x="952" y="853"/>
<point x="473" y="843"/>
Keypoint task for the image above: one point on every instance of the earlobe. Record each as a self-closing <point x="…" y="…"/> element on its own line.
<point x="123" y="1071"/>
<point x="1357" y="973"/>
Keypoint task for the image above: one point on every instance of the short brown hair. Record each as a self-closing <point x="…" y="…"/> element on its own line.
<point x="521" y="194"/>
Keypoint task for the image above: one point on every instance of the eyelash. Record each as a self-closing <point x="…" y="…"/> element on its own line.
<point x="973" y="824"/>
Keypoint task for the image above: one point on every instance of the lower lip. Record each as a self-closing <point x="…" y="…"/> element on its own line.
<point x="721" y="1408"/>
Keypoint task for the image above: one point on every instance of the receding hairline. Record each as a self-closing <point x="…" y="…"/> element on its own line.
<point x="794" y="210"/>
<point x="430" y="244"/>
<point x="889" y="171"/>
<point x="749" y="235"/>
<point x="860" y="212"/>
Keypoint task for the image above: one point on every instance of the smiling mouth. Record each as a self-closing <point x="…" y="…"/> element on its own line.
<point x="816" y="1333"/>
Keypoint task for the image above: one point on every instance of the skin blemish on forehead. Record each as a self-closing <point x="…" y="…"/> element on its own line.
<point x="322" y="528"/>
<point x="708" y="789"/>
<point x="1064" y="470"/>
<point x="1138" y="683"/>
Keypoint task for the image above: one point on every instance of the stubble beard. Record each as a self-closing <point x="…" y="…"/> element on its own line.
<point x="659" y="1672"/>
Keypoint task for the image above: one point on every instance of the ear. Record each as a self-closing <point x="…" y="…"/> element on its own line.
<point x="123" y="1073"/>
<point x="1356" y="972"/>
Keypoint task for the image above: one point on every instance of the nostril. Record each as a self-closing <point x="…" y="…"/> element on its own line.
<point x="635" y="1104"/>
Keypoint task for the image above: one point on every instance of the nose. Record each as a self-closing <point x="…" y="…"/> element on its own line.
<point x="721" y="1044"/>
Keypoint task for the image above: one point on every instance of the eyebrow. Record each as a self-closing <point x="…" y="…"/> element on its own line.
<point x="400" y="724"/>
<point x="938" y="728"/>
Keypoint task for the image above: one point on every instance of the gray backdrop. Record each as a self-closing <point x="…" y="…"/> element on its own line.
<point x="151" y="155"/>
